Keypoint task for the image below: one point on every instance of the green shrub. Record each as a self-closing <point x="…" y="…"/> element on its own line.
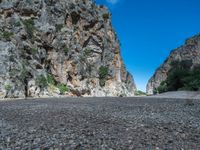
<point x="29" y="25"/>
<point x="192" y="81"/>
<point x="7" y="35"/>
<point x="23" y="74"/>
<point x="66" y="50"/>
<point x="87" y="52"/>
<point x="162" y="88"/>
<point x="103" y="73"/>
<point x="50" y="79"/>
<point x="42" y="81"/>
<point x="106" y="16"/>
<point x="181" y="77"/>
<point x="63" y="88"/>
<point x="8" y="87"/>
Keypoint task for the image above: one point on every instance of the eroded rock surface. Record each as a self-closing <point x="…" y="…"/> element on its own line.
<point x="189" y="52"/>
<point x="70" y="41"/>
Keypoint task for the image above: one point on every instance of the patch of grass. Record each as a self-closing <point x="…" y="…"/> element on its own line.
<point x="42" y="81"/>
<point x="63" y="88"/>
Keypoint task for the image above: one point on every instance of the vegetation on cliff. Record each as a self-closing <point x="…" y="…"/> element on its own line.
<point x="181" y="77"/>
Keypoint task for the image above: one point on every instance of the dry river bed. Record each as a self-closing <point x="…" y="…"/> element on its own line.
<point x="100" y="124"/>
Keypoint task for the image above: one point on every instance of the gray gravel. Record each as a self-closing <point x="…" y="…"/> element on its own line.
<point x="100" y="123"/>
<point x="180" y="94"/>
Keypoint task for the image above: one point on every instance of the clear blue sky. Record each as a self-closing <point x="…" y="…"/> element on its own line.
<point x="150" y="29"/>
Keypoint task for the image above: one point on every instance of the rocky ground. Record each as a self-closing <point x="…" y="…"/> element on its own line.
<point x="100" y="123"/>
<point x="180" y="94"/>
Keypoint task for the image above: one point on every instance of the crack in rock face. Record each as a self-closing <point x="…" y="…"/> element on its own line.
<point x="60" y="48"/>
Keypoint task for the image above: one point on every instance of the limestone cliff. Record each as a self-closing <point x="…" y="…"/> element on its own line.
<point x="65" y="47"/>
<point x="190" y="51"/>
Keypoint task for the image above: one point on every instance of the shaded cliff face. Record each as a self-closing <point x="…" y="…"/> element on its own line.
<point x="50" y="47"/>
<point x="190" y="51"/>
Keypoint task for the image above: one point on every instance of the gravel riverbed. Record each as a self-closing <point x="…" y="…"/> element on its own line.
<point x="100" y="124"/>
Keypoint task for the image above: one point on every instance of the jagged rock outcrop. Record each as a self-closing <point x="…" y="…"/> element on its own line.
<point x="48" y="47"/>
<point x="190" y="52"/>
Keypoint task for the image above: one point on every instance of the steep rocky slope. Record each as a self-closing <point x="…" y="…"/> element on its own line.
<point x="190" y="52"/>
<point x="50" y="47"/>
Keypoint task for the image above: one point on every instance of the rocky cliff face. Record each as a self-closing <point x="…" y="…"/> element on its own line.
<point x="50" y="47"/>
<point x="190" y="51"/>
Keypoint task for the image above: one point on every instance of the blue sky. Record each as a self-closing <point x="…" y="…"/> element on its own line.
<point x="149" y="29"/>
